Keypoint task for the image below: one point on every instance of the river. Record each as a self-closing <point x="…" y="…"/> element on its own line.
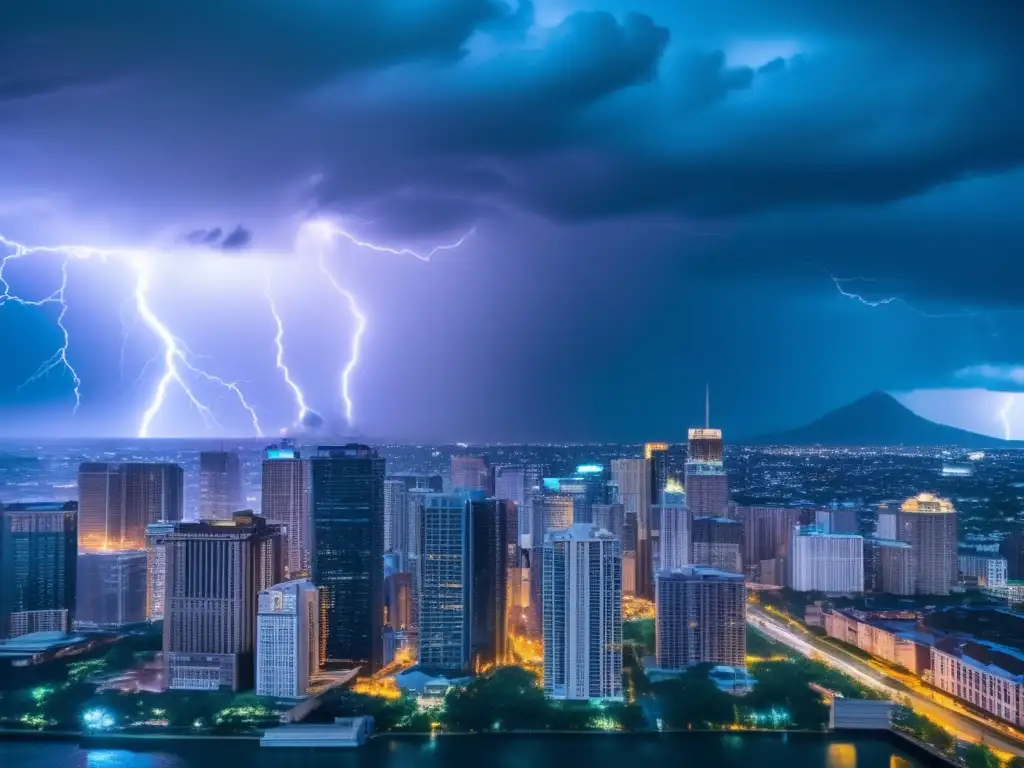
<point x="511" y="751"/>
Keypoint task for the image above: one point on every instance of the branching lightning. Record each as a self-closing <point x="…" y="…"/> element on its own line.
<point x="179" y="367"/>
<point x="841" y="281"/>
<point x="329" y="229"/>
<point x="300" y="399"/>
<point x="175" y="354"/>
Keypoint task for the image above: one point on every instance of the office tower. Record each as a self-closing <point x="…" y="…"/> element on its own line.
<point x="396" y="517"/>
<point x="220" y="485"/>
<point x="836" y="520"/>
<point x="767" y="532"/>
<point x="347" y="509"/>
<point x="928" y="524"/>
<point x="700" y="618"/>
<point x="153" y="493"/>
<point x="888" y="567"/>
<point x="118" y="501"/>
<point x="510" y="483"/>
<point x="287" y="639"/>
<point x="674" y="541"/>
<point x="885" y="523"/>
<point x="611" y="517"/>
<point x="657" y="454"/>
<point x="156" y="569"/>
<point x="100" y="506"/>
<point x="984" y="570"/>
<point x="445" y="582"/>
<point x="633" y="477"/>
<point x="111" y="590"/>
<point x="1012" y="548"/>
<point x="216" y="570"/>
<point x="627" y="546"/>
<point x="717" y="542"/>
<point x="826" y="562"/>
<point x="489" y="562"/>
<point x="551" y="512"/>
<point x="285" y="501"/>
<point x="707" y="485"/>
<point x="398" y="600"/>
<point x="582" y="614"/>
<point x="470" y="473"/>
<point x="38" y="567"/>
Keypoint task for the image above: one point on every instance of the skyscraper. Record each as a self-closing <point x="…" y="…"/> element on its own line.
<point x="118" y="501"/>
<point x="396" y="518"/>
<point x="700" y="618"/>
<point x="826" y="562"/>
<point x="837" y="520"/>
<point x="470" y="473"/>
<point x="707" y="485"/>
<point x="717" y="543"/>
<point x="215" y="572"/>
<point x="552" y="511"/>
<point x="674" y="539"/>
<point x="220" y="485"/>
<point x="510" y="483"/>
<point x="156" y="569"/>
<point x="111" y="590"/>
<point x="287" y="639"/>
<point x="633" y="477"/>
<point x="888" y="567"/>
<point x="347" y="510"/>
<point x="445" y="582"/>
<point x="38" y="565"/>
<point x="928" y="524"/>
<point x="767" y="532"/>
<point x="285" y="501"/>
<point x="489" y="563"/>
<point x="582" y="614"/>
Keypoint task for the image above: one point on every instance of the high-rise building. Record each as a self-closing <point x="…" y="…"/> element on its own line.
<point x="216" y="570"/>
<point x="885" y="523"/>
<point x="111" y="589"/>
<point x="396" y="518"/>
<point x="836" y="520"/>
<point x="826" y="562"/>
<point x="470" y="473"/>
<point x="1012" y="548"/>
<point x="489" y="551"/>
<point x="657" y="454"/>
<point x="582" y="610"/>
<point x="674" y="538"/>
<point x="611" y="517"/>
<point x="38" y="567"/>
<point x="287" y="639"/>
<point x="767" y="532"/>
<point x="156" y="569"/>
<point x="633" y="477"/>
<point x="444" y="595"/>
<point x="717" y="542"/>
<point x="399" y="601"/>
<point x="928" y="524"/>
<point x="510" y="483"/>
<point x="985" y="570"/>
<point x="118" y="501"/>
<point x="706" y="482"/>
<point x="700" y="618"/>
<point x="285" y="501"/>
<point x="888" y="567"/>
<point x="552" y="511"/>
<point x="220" y="485"/>
<point x="347" y="510"/>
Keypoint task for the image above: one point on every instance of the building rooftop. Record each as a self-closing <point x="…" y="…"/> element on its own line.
<point x="580" y="532"/>
<point x="927" y="503"/>
<point x="994" y="659"/>
<point x="888" y="543"/>
<point x="700" y="572"/>
<point x="38" y="642"/>
<point x="41" y="506"/>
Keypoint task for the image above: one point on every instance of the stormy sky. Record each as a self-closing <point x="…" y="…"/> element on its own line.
<point x="796" y="201"/>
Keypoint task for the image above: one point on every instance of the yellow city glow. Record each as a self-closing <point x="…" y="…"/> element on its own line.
<point x="651" y="448"/>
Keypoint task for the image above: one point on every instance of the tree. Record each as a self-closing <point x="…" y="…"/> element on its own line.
<point x="980" y="756"/>
<point x="508" y="699"/>
<point x="693" y="701"/>
<point x="1015" y="762"/>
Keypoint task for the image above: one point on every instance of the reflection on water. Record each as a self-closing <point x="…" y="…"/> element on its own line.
<point x="728" y="750"/>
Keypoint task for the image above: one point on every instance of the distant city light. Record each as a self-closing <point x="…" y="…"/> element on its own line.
<point x="98" y="719"/>
<point x="280" y="453"/>
<point x="589" y="469"/>
<point x="976" y="456"/>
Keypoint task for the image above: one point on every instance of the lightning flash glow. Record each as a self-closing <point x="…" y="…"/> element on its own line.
<point x="179" y="366"/>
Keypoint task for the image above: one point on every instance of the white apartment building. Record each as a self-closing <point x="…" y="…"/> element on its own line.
<point x="826" y="562"/>
<point x="989" y="677"/>
<point x="287" y="639"/>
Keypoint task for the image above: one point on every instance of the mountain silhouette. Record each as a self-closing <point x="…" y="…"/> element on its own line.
<point x="879" y="419"/>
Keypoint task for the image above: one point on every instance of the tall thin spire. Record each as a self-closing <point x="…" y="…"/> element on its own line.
<point x="707" y="405"/>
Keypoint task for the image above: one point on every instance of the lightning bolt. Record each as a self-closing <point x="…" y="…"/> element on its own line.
<point x="300" y="399"/>
<point x="357" y="338"/>
<point x="841" y="281"/>
<point x="1004" y="416"/>
<point x="175" y="353"/>
<point x="328" y="229"/>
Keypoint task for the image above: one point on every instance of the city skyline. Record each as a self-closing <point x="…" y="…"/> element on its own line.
<point x="284" y="280"/>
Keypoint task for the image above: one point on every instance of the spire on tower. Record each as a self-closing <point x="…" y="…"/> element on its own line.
<point x="707" y="405"/>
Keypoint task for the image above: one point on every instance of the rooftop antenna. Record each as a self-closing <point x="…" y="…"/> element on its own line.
<point x="707" y="405"/>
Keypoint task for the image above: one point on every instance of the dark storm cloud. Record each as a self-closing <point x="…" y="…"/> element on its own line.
<point x="237" y="239"/>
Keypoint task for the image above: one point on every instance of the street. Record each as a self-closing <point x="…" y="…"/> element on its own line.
<point x="964" y="724"/>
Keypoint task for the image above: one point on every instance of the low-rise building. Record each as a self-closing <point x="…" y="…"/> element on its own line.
<point x="985" y="570"/>
<point x="990" y="677"/>
<point x="891" y="636"/>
